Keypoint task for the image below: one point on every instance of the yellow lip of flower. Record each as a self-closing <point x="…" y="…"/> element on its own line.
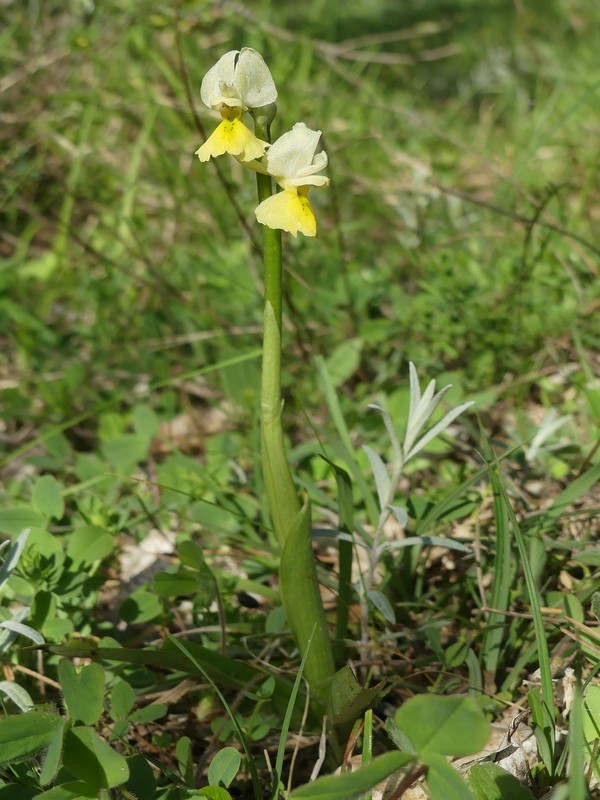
<point x="288" y="211"/>
<point x="232" y="136"/>
<point x="293" y="162"/>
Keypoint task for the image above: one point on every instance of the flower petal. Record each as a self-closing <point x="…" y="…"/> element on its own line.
<point x="303" y="180"/>
<point x="232" y="136"/>
<point x="239" y="78"/>
<point x="288" y="211"/>
<point x="221" y="73"/>
<point x="253" y="80"/>
<point x="292" y="154"/>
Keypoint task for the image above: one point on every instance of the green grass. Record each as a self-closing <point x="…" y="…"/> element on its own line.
<point x="459" y="232"/>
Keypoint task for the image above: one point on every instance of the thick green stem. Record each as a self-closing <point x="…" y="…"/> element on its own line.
<point x="281" y="492"/>
<point x="291" y="520"/>
<point x="279" y="485"/>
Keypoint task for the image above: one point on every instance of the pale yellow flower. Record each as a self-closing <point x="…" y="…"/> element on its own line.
<point x="293" y="162"/>
<point x="238" y="82"/>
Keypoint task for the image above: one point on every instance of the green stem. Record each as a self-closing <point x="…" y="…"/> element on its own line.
<point x="281" y="492"/>
<point x="282" y="496"/>
<point x="299" y="585"/>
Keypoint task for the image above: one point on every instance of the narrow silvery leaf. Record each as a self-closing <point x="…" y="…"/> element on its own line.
<point x="7" y="636"/>
<point x="548" y="427"/>
<point x="382" y="604"/>
<point x="22" y="630"/>
<point x="415" y="389"/>
<point x="347" y="537"/>
<point x="382" y="479"/>
<point x="425" y="541"/>
<point x="389" y="426"/>
<point x="429" y="402"/>
<point x="20" y="697"/>
<point x="11" y="560"/>
<point x="415" y="399"/>
<point x="438" y="428"/>
<point x="400" y="515"/>
<point x="325" y="533"/>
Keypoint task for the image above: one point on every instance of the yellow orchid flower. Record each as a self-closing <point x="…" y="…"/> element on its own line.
<point x="293" y="162"/>
<point x="238" y="82"/>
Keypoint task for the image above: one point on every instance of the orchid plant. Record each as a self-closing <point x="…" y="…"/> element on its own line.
<point x="240" y="84"/>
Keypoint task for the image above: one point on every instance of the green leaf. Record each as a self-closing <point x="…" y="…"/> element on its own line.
<point x="25" y="735"/>
<point x="348" y="699"/>
<point x="214" y="793"/>
<point x="574" y="490"/>
<point x="176" y="584"/>
<point x="22" y="630"/>
<point x="450" y="726"/>
<point x="595" y="605"/>
<point x="122" y="699"/>
<point x="149" y="713"/>
<point x="45" y="543"/>
<point x="47" y="497"/>
<point x="145" y="421"/>
<point x="125" y="451"/>
<point x="14" y="792"/>
<point x="141" y="782"/>
<point x="40" y="268"/>
<point x="380" y="475"/>
<point x="20" y="696"/>
<point x="74" y="790"/>
<point x="83" y="691"/>
<point x="382" y="604"/>
<point x="52" y="758"/>
<point x="141" y="606"/>
<point x="14" y="520"/>
<point x="12" y="556"/>
<point x="591" y="714"/>
<point x="443" y="781"/>
<point x="349" y="785"/>
<point x="491" y="782"/>
<point x="88" y="544"/>
<point x="191" y="555"/>
<point x="91" y="759"/>
<point x="592" y="395"/>
<point x="344" y="361"/>
<point x="224" y="766"/>
<point x="185" y="760"/>
<point x="301" y="598"/>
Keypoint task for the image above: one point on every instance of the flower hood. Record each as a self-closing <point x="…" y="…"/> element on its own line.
<point x="239" y="79"/>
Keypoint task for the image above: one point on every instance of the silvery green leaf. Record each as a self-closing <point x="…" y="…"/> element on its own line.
<point x="17" y="694"/>
<point x="438" y="428"/>
<point x="425" y="541"/>
<point x="416" y="423"/>
<point x="380" y="473"/>
<point x="7" y="636"/>
<point x="420" y="407"/>
<point x="415" y="389"/>
<point x="11" y="560"/>
<point x="382" y="604"/>
<point x="389" y="426"/>
<point x="548" y="427"/>
<point x="400" y="515"/>
<point x="22" y="630"/>
<point x="324" y="533"/>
